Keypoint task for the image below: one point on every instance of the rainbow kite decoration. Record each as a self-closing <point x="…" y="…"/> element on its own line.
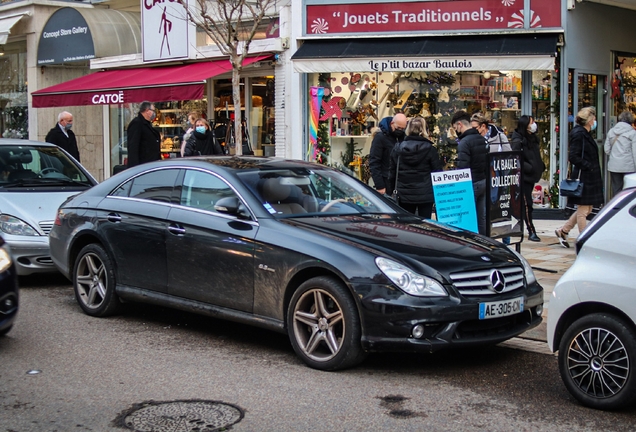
<point x="315" y="102"/>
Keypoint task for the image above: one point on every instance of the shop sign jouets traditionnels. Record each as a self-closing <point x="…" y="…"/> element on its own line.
<point x="326" y="17"/>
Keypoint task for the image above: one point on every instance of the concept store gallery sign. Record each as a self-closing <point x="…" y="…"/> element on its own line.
<point x="395" y="17"/>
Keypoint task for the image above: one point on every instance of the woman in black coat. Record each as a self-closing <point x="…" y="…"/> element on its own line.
<point x="583" y="156"/>
<point x="524" y="139"/>
<point x="202" y="141"/>
<point x="412" y="162"/>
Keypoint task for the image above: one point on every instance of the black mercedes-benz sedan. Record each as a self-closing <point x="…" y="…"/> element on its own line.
<point x="294" y="247"/>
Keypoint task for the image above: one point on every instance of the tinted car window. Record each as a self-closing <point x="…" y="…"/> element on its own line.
<point x="298" y="192"/>
<point x="202" y="190"/>
<point x="156" y="185"/>
<point x="39" y="165"/>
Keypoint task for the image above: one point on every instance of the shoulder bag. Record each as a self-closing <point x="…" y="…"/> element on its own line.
<point x="572" y="187"/>
<point x="394" y="195"/>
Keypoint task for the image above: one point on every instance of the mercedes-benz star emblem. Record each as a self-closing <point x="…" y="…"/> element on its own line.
<point x="497" y="281"/>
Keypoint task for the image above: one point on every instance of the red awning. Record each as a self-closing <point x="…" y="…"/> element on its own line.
<point x="155" y="84"/>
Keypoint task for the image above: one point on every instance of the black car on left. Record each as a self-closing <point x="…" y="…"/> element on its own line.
<point x="9" y="295"/>
<point x="295" y="247"/>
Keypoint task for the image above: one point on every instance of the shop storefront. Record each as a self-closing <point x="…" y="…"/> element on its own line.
<point x="599" y="60"/>
<point x="176" y="92"/>
<point x="175" y="72"/>
<point x="500" y="60"/>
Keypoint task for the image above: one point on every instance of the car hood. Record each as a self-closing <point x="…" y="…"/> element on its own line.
<point x="435" y="246"/>
<point x="33" y="207"/>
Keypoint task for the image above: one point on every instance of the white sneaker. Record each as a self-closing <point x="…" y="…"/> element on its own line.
<point x="563" y="238"/>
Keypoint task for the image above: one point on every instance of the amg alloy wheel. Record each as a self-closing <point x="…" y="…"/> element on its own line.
<point x="94" y="282"/>
<point x="323" y="325"/>
<point x="596" y="359"/>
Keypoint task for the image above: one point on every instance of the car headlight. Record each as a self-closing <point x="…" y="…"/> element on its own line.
<point x="14" y="226"/>
<point x="527" y="269"/>
<point x="409" y="281"/>
<point x="5" y="258"/>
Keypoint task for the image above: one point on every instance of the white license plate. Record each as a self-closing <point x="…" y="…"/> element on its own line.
<point x="500" y="308"/>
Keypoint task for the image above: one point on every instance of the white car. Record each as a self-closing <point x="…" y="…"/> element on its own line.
<point x="35" y="179"/>
<point x="592" y="312"/>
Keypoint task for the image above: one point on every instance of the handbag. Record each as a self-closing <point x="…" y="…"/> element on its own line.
<point x="572" y="187"/>
<point x="394" y="195"/>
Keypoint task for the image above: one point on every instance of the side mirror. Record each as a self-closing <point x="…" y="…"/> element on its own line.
<point x="232" y="206"/>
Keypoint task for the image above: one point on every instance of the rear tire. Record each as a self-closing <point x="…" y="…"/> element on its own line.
<point x="324" y="326"/>
<point x="596" y="361"/>
<point x="94" y="282"/>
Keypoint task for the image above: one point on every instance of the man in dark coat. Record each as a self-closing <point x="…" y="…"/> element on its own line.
<point x="62" y="136"/>
<point x="472" y="152"/>
<point x="391" y="133"/>
<point x="144" y="141"/>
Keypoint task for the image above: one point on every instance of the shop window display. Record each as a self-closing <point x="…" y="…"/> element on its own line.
<point x="623" y="84"/>
<point x="258" y="125"/>
<point x="345" y="107"/>
<point x="171" y="122"/>
<point x="14" y="121"/>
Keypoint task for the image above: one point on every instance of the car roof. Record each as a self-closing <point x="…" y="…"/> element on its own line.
<point x="16" y="141"/>
<point x="239" y="163"/>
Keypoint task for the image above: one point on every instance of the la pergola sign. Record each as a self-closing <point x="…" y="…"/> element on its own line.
<point x="450" y="15"/>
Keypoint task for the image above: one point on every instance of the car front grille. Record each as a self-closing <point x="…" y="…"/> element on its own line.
<point x="46" y="226"/>
<point x="479" y="282"/>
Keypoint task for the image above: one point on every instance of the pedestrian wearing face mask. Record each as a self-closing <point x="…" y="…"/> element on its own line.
<point x="472" y="152"/>
<point x="583" y="156"/>
<point x="62" y="135"/>
<point x="391" y="132"/>
<point x="202" y="141"/>
<point x="192" y="118"/>
<point x="524" y="139"/>
<point x="144" y="141"/>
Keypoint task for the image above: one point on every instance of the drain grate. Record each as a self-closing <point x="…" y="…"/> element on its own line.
<point x="181" y="416"/>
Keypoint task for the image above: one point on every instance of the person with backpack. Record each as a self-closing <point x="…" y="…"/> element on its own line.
<point x="412" y="162"/>
<point x="524" y="138"/>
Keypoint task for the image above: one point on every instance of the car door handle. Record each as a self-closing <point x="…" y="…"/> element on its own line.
<point x="176" y="229"/>
<point x="113" y="217"/>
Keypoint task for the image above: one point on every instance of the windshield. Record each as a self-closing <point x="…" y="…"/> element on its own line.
<point x="33" y="165"/>
<point x="303" y="192"/>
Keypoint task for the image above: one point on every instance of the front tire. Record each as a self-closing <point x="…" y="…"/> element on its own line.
<point x="324" y="326"/>
<point x="596" y="361"/>
<point x="94" y="282"/>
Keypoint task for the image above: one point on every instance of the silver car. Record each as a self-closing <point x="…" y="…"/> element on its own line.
<point x="35" y="179"/>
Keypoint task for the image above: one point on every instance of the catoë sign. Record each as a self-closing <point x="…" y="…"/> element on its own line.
<point x="396" y="17"/>
<point x="108" y="98"/>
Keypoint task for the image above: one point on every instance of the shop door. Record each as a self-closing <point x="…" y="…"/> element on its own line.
<point x="592" y="91"/>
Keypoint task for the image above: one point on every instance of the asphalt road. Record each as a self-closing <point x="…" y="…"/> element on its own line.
<point x="93" y="371"/>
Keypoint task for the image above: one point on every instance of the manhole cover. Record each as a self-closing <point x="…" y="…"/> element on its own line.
<point x="182" y="416"/>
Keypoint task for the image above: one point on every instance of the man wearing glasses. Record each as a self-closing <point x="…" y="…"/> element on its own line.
<point x="144" y="141"/>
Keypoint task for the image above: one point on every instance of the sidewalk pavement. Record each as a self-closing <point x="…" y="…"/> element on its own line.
<point x="549" y="260"/>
